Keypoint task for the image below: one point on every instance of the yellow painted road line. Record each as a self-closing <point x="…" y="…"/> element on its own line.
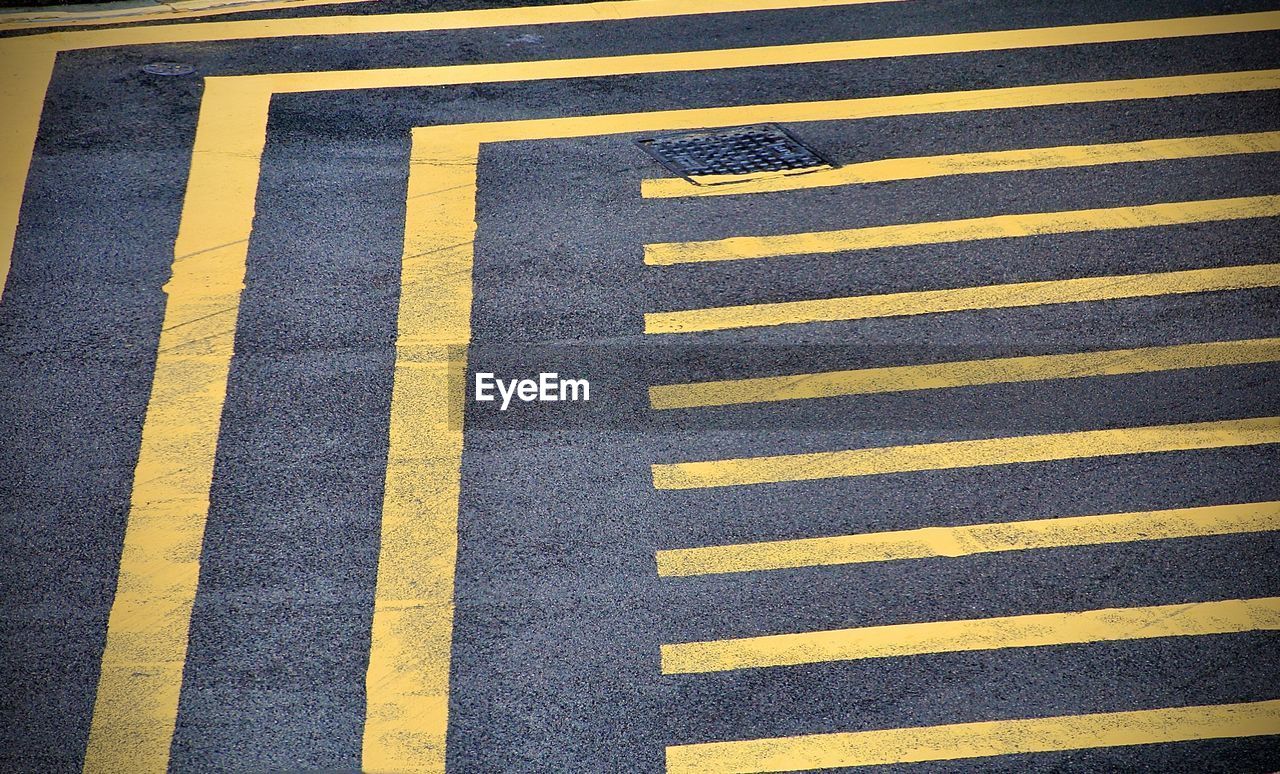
<point x="930" y="542"/>
<point x="1068" y="291"/>
<point x="964" y="373"/>
<point x="1019" y="160"/>
<point x="967" y="454"/>
<point x="137" y="698"/>
<point x="153" y="10"/>
<point x="965" y="230"/>
<point x="1018" y="631"/>
<point x="407" y="684"/>
<point x="28" y="102"/>
<point x="768" y="56"/>
<point x="976" y="740"/>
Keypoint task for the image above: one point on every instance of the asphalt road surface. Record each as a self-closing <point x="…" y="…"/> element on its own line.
<point x="958" y="456"/>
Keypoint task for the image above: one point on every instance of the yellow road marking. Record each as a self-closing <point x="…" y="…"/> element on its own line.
<point x="768" y="56"/>
<point x="933" y="376"/>
<point x="408" y="679"/>
<point x="965" y="230"/>
<point x="1023" y="159"/>
<point x="238" y="107"/>
<point x="966" y="454"/>
<point x="137" y="698"/>
<point x="976" y="740"/>
<point x="23" y="67"/>
<point x="154" y="11"/>
<point x="972" y="539"/>
<point x="1018" y="631"/>
<point x="1068" y="291"/>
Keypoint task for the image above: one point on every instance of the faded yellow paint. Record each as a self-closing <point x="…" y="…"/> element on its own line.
<point x="964" y="373"/>
<point x="1018" y="631"/>
<point x="137" y="699"/>
<point x="966" y="454"/>
<point x="1019" y="160"/>
<point x="976" y="740"/>
<point x="1068" y="291"/>
<point x="972" y="539"/>
<point x="407" y="684"/>
<point x="965" y="230"/>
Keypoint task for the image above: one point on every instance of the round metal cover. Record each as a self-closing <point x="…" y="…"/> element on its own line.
<point x="168" y="68"/>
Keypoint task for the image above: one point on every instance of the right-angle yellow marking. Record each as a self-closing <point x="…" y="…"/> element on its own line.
<point x="1017" y="631"/>
<point x="966" y="454"/>
<point x="964" y="373"/>
<point x="976" y="740"/>
<point x="1019" y="160"/>
<point x="1067" y="291"/>
<point x="967" y="540"/>
<point x="965" y="230"/>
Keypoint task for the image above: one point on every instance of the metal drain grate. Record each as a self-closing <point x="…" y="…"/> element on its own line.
<point x="733" y="155"/>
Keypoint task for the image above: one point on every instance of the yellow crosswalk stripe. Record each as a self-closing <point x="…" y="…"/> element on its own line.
<point x="1019" y="160"/>
<point x="1019" y="631"/>
<point x="971" y="539"/>
<point x="976" y="740"/>
<point x="964" y="230"/>
<point x="1066" y="291"/>
<point x="963" y="373"/>
<point x="966" y="454"/>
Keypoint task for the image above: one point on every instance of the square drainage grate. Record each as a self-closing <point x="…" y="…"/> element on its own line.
<point x="733" y="155"/>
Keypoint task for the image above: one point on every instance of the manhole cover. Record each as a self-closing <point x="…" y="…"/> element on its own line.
<point x="168" y="68"/>
<point x="733" y="155"/>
